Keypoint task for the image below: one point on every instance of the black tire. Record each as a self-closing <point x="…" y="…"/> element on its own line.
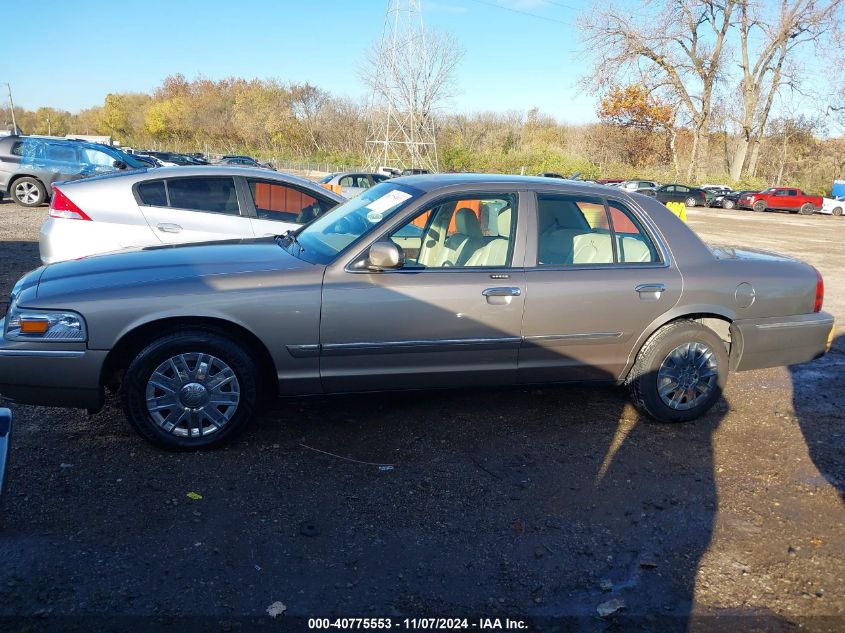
<point x="806" y="209"/>
<point x="189" y="342"/>
<point x="728" y="204"/>
<point x="691" y="202"/>
<point x="759" y="206"/>
<point x="643" y="379"/>
<point x="28" y="192"/>
<point x="837" y="211"/>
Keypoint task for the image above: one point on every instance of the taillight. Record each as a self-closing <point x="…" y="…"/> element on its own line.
<point x="63" y="207"/>
<point x="819" y="292"/>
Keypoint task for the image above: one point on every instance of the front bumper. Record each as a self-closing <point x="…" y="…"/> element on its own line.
<point x="48" y="375"/>
<point x="778" y="341"/>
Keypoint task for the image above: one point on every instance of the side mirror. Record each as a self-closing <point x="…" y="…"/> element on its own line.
<point x="385" y="255"/>
<point x="119" y="164"/>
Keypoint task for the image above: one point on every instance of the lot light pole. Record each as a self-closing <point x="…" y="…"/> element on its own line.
<point x="12" y="107"/>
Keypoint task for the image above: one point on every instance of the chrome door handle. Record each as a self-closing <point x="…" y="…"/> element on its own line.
<point x="500" y="296"/>
<point x="502" y="292"/>
<point x="169" y="228"/>
<point x="650" y="292"/>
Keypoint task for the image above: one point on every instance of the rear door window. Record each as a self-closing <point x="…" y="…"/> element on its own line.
<point x="633" y="244"/>
<point x="212" y="194"/>
<point x="275" y="201"/>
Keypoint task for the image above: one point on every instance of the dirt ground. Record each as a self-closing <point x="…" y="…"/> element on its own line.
<point x="551" y="504"/>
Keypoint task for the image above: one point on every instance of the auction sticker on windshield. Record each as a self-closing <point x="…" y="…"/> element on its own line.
<point x="388" y="201"/>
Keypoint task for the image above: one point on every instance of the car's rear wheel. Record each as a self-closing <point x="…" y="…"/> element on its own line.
<point x="691" y="202"/>
<point x="837" y="211"/>
<point x="759" y="206"/>
<point x="680" y="372"/>
<point x="29" y="192"/>
<point x="728" y="204"/>
<point x="190" y="390"/>
<point x="806" y="209"/>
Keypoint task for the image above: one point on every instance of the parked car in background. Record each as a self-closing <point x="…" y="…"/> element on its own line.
<point x="168" y="159"/>
<point x="174" y="205"/>
<point x="711" y="191"/>
<point x="350" y="184"/>
<point x="781" y="199"/>
<point x="833" y="206"/>
<point x="610" y="181"/>
<point x="729" y="200"/>
<point x="148" y="161"/>
<point x="550" y="174"/>
<point x="244" y="161"/>
<point x="504" y="280"/>
<point x="690" y="196"/>
<point x="647" y="187"/>
<point x="29" y="165"/>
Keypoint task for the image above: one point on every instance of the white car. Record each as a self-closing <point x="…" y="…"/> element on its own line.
<point x="350" y="184"/>
<point x="176" y="205"/>
<point x="833" y="206"/>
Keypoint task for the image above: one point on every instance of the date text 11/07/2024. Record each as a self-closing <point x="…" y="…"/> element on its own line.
<point x="490" y="624"/>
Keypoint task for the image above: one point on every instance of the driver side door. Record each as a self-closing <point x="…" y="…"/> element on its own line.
<point x="450" y="316"/>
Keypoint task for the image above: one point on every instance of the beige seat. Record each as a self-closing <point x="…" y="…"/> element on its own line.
<point x="495" y="251"/>
<point x="632" y="249"/>
<point x="456" y="248"/>
<point x="592" y="248"/>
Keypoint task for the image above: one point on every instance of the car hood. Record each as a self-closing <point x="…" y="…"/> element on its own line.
<point x="166" y="264"/>
<point x="734" y="252"/>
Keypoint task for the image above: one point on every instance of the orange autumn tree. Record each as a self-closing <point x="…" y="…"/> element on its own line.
<point x="645" y="118"/>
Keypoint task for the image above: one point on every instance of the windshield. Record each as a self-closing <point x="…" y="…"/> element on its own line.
<point x="322" y="240"/>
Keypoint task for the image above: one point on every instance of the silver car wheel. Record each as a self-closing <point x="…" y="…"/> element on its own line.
<point x="26" y="193"/>
<point x="192" y="395"/>
<point x="687" y="376"/>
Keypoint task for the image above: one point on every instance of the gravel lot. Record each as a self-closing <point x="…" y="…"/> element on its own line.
<point x="531" y="503"/>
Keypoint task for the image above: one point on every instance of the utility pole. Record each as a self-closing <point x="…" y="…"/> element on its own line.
<point x="12" y="106"/>
<point x="400" y="134"/>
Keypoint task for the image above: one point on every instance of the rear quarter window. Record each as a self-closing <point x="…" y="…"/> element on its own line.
<point x="153" y="193"/>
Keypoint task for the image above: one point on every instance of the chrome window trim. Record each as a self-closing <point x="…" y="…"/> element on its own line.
<point x="425" y="206"/>
<point x="641" y="216"/>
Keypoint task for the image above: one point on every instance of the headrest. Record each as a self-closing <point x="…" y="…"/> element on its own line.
<point x="466" y="222"/>
<point x="504" y="222"/>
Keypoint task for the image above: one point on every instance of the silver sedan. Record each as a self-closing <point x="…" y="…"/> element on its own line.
<point x="419" y="282"/>
<point x="175" y="205"/>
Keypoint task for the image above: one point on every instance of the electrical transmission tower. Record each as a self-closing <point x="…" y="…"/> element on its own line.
<point x="401" y="128"/>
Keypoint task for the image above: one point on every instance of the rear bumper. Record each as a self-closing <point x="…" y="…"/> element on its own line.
<point x="51" y="377"/>
<point x="777" y="341"/>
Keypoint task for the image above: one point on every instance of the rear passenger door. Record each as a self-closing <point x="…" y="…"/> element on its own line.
<point x="596" y="277"/>
<point x="193" y="209"/>
<point x="278" y="207"/>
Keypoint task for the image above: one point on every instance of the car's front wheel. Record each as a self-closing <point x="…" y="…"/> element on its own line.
<point x="192" y="389"/>
<point x="759" y="206"/>
<point x="680" y="372"/>
<point x="691" y="202"/>
<point x="728" y="204"/>
<point x="29" y="192"/>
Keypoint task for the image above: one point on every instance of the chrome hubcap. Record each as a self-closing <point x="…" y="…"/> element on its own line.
<point x="192" y="395"/>
<point x="26" y="192"/>
<point x="687" y="376"/>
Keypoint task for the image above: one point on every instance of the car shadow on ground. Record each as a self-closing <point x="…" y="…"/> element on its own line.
<point x="561" y="504"/>
<point x="819" y="409"/>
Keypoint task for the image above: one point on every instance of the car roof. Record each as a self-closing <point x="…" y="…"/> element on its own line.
<point x="430" y="182"/>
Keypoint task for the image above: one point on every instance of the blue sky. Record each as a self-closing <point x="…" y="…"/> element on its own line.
<point x="81" y="51"/>
<point x="519" y="53"/>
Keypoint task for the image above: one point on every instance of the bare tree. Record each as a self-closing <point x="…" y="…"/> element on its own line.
<point x="764" y="71"/>
<point x="307" y="103"/>
<point x="673" y="45"/>
<point x="421" y="77"/>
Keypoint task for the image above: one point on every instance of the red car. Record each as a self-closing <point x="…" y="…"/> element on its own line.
<point x="781" y="198"/>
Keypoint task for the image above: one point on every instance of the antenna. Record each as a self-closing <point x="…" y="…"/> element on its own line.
<point x="400" y="133"/>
